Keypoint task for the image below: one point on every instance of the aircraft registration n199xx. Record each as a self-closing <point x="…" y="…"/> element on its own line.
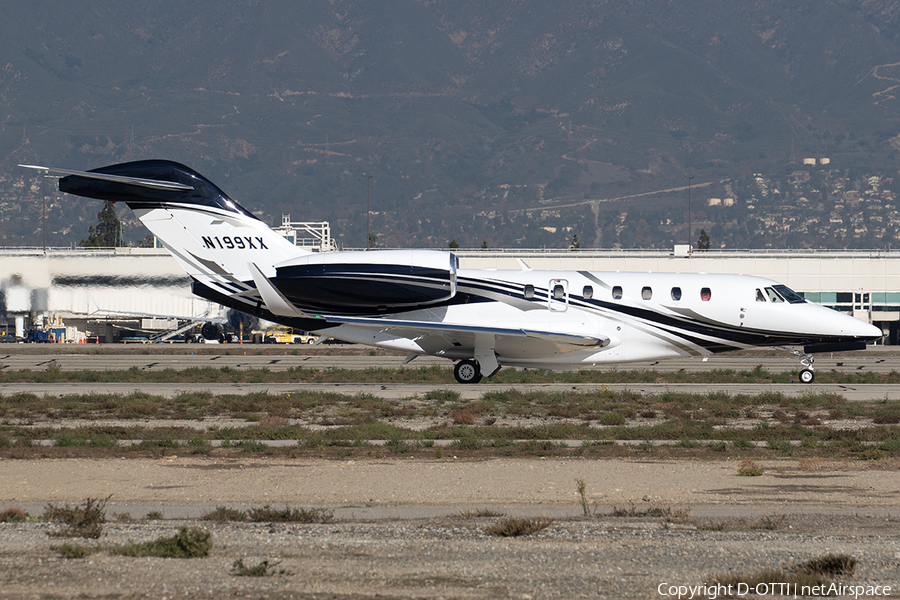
<point x="421" y="302"/>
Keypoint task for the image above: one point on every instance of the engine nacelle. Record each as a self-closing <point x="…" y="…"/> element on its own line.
<point x="368" y="281"/>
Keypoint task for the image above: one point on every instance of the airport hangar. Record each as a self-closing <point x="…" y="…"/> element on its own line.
<point x="110" y="294"/>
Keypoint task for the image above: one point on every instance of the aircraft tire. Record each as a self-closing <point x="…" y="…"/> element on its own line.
<point x="807" y="376"/>
<point x="467" y="371"/>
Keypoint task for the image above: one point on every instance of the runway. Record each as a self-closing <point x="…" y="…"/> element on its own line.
<point x="877" y="360"/>
<point x="880" y="360"/>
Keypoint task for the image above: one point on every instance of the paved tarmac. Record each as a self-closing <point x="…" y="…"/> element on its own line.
<point x="878" y="360"/>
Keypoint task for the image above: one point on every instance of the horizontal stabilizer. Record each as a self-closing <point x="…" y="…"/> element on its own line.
<point x="147" y="183"/>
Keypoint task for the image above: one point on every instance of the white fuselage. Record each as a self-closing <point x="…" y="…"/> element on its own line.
<point x="646" y="316"/>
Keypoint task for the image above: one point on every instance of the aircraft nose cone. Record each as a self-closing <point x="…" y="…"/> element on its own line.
<point x="872" y="332"/>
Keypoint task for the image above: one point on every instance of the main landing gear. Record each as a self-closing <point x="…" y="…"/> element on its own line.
<point x="467" y="371"/>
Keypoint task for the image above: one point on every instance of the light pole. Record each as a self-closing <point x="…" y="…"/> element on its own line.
<point x="368" y="178"/>
<point x="690" y="244"/>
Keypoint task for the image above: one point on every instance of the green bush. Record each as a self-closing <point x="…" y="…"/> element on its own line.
<point x="187" y="543"/>
<point x="81" y="521"/>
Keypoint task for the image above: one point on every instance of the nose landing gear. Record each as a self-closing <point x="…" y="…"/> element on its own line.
<point x="808" y="373"/>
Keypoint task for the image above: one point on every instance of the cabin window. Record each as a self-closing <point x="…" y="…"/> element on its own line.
<point x="676" y="293"/>
<point x="529" y="291"/>
<point x="760" y="297"/>
<point x="646" y="293"/>
<point x="705" y="294"/>
<point x="587" y="292"/>
<point x="558" y="292"/>
<point x="773" y="295"/>
<point x="617" y="292"/>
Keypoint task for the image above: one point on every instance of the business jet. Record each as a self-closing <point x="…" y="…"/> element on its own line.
<point x="422" y="303"/>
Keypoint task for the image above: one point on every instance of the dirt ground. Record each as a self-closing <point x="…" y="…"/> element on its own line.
<point x="400" y="528"/>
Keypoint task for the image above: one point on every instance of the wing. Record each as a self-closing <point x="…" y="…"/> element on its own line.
<point x="419" y="329"/>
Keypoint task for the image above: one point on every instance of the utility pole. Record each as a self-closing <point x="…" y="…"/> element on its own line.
<point x="368" y="178"/>
<point x="690" y="243"/>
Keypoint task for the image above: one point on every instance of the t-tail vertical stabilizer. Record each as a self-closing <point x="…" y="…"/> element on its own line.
<point x="213" y="238"/>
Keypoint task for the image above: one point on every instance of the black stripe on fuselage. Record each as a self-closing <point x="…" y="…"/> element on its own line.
<point x="257" y="309"/>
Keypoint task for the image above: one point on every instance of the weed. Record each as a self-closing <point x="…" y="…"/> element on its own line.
<point x="263" y="569"/>
<point x="645" y="446"/>
<point x="581" y="488"/>
<point x="442" y="395"/>
<point x="652" y="511"/>
<point x="769" y="523"/>
<point x="187" y="543"/>
<point x="890" y="445"/>
<point x="467" y="443"/>
<point x="750" y="468"/>
<point x="154" y="515"/>
<point x="68" y="550"/>
<point x="813" y="572"/>
<point x="13" y="515"/>
<point x="785" y="447"/>
<point x="267" y="514"/>
<point x="398" y="446"/>
<point x="813" y="463"/>
<point x="612" y="419"/>
<point x="833" y="565"/>
<point x="222" y="514"/>
<point x="478" y="513"/>
<point x="518" y="526"/>
<point x="81" y="521"/>
<point x="688" y="443"/>
<point x="463" y="417"/>
<point x="253" y="446"/>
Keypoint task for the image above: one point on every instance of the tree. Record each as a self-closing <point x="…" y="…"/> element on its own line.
<point x="703" y="241"/>
<point x="575" y="245"/>
<point x="454" y="245"/>
<point x="484" y="245"/>
<point x="106" y="234"/>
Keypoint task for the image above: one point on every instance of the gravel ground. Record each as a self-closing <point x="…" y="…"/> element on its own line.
<point x="440" y="558"/>
<point x="728" y="525"/>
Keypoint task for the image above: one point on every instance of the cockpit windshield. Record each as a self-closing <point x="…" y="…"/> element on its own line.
<point x="789" y="294"/>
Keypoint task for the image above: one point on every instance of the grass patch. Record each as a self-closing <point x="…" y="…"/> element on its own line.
<point x="187" y="543"/>
<point x="13" y="515"/>
<point x="652" y="511"/>
<point x="222" y="514"/>
<point x="518" y="526"/>
<point x="750" y="468"/>
<point x="478" y="513"/>
<point x="263" y="569"/>
<point x="808" y="574"/>
<point x="267" y="514"/>
<point x="68" y="550"/>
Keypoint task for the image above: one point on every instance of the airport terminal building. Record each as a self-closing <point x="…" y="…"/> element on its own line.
<point x="107" y="292"/>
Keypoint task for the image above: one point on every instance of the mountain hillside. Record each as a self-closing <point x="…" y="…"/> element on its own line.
<point x="465" y="112"/>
